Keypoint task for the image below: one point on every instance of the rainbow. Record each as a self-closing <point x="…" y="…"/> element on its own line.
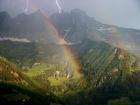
<point x="73" y="59"/>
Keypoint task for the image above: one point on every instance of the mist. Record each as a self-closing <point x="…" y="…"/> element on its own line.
<point x="124" y="13"/>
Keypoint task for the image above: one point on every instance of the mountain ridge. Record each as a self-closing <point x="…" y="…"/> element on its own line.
<point x="110" y="69"/>
<point x="75" y="26"/>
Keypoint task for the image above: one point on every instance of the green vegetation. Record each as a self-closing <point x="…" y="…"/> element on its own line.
<point x="41" y="73"/>
<point x="16" y="88"/>
<point x="38" y="70"/>
<point x="14" y="94"/>
<point x="57" y="81"/>
<point x="111" y="74"/>
<point x="27" y="54"/>
<point x="20" y="53"/>
<point x="121" y="101"/>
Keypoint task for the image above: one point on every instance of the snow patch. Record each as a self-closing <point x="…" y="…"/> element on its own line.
<point x="110" y="29"/>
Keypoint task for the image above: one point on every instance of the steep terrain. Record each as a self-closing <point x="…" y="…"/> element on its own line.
<point x="9" y="73"/>
<point x="26" y="54"/>
<point x="34" y="27"/>
<point x="77" y="25"/>
<point x="110" y="71"/>
<point x="104" y="53"/>
<point x="17" y="89"/>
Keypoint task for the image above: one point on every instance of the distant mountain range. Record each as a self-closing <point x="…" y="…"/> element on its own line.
<point x="75" y="26"/>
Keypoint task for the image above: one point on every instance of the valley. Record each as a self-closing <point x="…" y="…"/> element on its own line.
<point x="94" y="61"/>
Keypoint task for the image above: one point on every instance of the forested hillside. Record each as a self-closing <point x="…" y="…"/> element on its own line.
<point x="17" y="89"/>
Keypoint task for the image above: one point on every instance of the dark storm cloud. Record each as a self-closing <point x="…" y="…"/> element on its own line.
<point x="124" y="13"/>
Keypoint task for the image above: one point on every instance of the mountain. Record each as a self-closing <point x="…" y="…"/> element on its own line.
<point x="5" y="21"/>
<point x="25" y="55"/>
<point x="17" y="89"/>
<point x="77" y="25"/>
<point x="9" y="73"/>
<point x="31" y="23"/>
<point x="34" y="27"/>
<point x="110" y="68"/>
<point x="99" y="59"/>
<point x="23" y="23"/>
<point x="110" y="71"/>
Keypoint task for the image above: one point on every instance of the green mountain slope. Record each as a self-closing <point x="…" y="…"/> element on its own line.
<point x="26" y="54"/>
<point x="112" y="74"/>
<point x="104" y="67"/>
<point x="9" y="73"/>
<point x="20" y="53"/>
<point x="17" y="89"/>
<point x="99" y="59"/>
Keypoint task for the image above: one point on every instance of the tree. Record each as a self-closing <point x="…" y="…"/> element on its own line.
<point x="121" y="101"/>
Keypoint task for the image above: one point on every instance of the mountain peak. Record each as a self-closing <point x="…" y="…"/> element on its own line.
<point x="4" y="13"/>
<point x="3" y="16"/>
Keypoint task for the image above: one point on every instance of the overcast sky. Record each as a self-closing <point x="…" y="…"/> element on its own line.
<point x="125" y="13"/>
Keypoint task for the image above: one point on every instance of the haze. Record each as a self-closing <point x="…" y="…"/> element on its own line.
<point x="124" y="13"/>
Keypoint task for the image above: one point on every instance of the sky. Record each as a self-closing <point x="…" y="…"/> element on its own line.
<point x="124" y="13"/>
